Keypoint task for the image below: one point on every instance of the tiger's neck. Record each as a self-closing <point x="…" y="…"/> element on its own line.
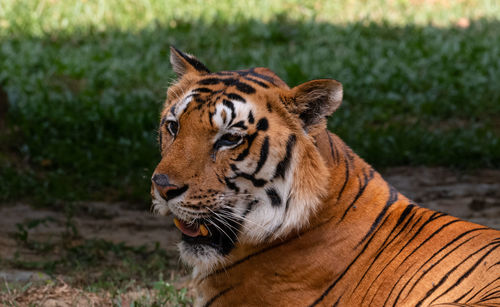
<point x="358" y="195"/>
<point x="357" y="205"/>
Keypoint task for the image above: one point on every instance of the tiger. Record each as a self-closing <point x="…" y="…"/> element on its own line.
<point x="275" y="210"/>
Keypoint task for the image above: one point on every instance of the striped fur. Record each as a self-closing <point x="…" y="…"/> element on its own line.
<point x="296" y="218"/>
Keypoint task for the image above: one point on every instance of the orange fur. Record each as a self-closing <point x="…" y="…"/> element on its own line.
<point x="358" y="242"/>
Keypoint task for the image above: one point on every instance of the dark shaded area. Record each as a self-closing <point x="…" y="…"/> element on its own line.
<point x="84" y="109"/>
<point x="4" y="107"/>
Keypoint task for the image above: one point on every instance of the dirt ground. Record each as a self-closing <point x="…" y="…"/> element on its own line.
<point x="473" y="196"/>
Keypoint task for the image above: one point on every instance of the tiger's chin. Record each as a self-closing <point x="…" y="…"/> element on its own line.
<point x="206" y="242"/>
<point x="202" y="257"/>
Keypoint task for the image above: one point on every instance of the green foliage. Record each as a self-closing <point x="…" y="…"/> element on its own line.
<point x="167" y="293"/>
<point x="86" y="80"/>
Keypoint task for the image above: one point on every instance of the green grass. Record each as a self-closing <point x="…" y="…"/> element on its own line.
<point x="86" y="80"/>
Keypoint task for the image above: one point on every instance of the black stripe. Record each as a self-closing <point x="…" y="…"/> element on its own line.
<point x="283" y="165"/>
<point x="251" y="119"/>
<point x="463" y="296"/>
<point x="490" y="297"/>
<point x="249" y="207"/>
<point x="269" y="108"/>
<point x="380" y="250"/>
<point x="262" y="251"/>
<point x="386" y="244"/>
<point x="193" y="62"/>
<point x="381" y="285"/>
<point x="429" y="238"/>
<point x="263" y="124"/>
<point x="466" y="274"/>
<point x="240" y="124"/>
<point x="333" y="151"/>
<point x="218" y="178"/>
<point x="218" y="295"/>
<point x="420" y="245"/>
<point x="236" y="97"/>
<point x="257" y="82"/>
<point x="250" y="138"/>
<point x="210" y="81"/>
<point x="273" y="197"/>
<point x="210" y="115"/>
<point x="433" y="217"/>
<point x="394" y="285"/>
<point x="225" y="73"/>
<point x="269" y="79"/>
<point x="332" y="285"/>
<point x="495" y="264"/>
<point x="495" y="291"/>
<point x="264" y="152"/>
<point x="393" y="197"/>
<point x="445" y="277"/>
<point x="434" y="255"/>
<point x="347" y="167"/>
<point x="245" y="88"/>
<point x="199" y="101"/>
<point x="367" y="179"/>
<point x="230" y="105"/>
<point x="337" y="301"/>
<point x="480" y="290"/>
<point x="408" y="242"/>
<point x="255" y="181"/>
<point x="203" y="90"/>
<point x="430" y="268"/>
<point x="231" y="185"/>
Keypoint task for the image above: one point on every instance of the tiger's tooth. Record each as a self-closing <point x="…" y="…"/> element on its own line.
<point x="203" y="230"/>
<point x="177" y="223"/>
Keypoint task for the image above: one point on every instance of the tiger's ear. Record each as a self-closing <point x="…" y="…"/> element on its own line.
<point x="183" y="63"/>
<point x="313" y="101"/>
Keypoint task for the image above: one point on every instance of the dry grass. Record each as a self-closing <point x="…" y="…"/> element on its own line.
<point x="53" y="294"/>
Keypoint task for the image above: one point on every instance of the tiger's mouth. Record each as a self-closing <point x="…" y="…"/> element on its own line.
<point x="219" y="234"/>
<point x="191" y="229"/>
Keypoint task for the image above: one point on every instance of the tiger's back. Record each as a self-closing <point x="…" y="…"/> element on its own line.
<point x="382" y="250"/>
<point x="277" y="211"/>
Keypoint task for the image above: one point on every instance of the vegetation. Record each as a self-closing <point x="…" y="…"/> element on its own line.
<point x="85" y="81"/>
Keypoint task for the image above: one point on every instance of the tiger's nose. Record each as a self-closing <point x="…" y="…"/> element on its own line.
<point x="166" y="189"/>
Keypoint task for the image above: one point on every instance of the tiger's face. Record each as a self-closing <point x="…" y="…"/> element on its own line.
<point x="239" y="164"/>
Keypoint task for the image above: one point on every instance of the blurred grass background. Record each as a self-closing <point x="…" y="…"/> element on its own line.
<point x="82" y="81"/>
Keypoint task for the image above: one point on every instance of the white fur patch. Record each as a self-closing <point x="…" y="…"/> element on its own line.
<point x="183" y="104"/>
<point x="203" y="258"/>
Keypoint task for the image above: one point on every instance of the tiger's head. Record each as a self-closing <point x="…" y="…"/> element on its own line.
<point x="239" y="162"/>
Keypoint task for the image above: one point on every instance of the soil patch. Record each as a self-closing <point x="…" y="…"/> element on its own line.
<point x="473" y="196"/>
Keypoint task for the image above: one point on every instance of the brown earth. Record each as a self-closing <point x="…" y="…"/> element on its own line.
<point x="473" y="196"/>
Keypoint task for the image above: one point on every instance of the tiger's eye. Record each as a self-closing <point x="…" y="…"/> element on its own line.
<point x="231" y="138"/>
<point x="172" y="127"/>
<point x="228" y="139"/>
